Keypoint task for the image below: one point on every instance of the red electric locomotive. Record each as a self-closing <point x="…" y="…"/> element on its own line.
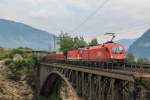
<point x="102" y="52"/>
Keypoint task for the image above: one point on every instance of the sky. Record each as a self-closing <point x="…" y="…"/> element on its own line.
<point x="127" y="18"/>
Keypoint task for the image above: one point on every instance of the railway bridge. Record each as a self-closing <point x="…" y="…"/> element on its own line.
<point x="91" y="83"/>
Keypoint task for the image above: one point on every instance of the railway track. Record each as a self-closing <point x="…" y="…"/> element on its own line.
<point x="133" y="67"/>
<point x="128" y="67"/>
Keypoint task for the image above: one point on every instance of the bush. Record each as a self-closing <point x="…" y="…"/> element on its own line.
<point x="31" y="60"/>
<point x="8" y="61"/>
<point x="142" y="61"/>
<point x="130" y="57"/>
<point x="21" y="64"/>
<point x="16" y="51"/>
<point x="4" y="55"/>
<point x="15" y="68"/>
<point x="24" y="66"/>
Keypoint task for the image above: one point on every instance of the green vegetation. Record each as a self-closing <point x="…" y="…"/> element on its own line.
<point x="93" y="42"/>
<point x="9" y="53"/>
<point x="131" y="59"/>
<point x="20" y="67"/>
<point x="142" y="61"/>
<point x="78" y="42"/>
<point x="67" y="42"/>
<point x="20" y="64"/>
<point x="4" y="54"/>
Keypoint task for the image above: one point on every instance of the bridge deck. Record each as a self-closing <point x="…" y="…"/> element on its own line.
<point x="118" y="74"/>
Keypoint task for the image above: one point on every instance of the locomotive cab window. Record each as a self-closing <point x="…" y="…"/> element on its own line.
<point x="117" y="50"/>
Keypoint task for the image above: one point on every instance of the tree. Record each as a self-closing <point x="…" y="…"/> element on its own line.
<point x="79" y="43"/>
<point x="146" y="61"/>
<point x="130" y="57"/>
<point x="66" y="43"/>
<point x="93" y="42"/>
<point x="142" y="61"/>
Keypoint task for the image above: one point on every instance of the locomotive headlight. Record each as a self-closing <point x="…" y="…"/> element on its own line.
<point x="111" y="56"/>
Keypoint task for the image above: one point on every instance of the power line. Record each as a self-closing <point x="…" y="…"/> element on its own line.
<point x="133" y="27"/>
<point x="129" y="26"/>
<point x="141" y="26"/>
<point x="91" y="15"/>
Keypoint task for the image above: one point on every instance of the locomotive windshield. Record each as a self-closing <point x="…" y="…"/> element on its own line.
<point x="117" y="50"/>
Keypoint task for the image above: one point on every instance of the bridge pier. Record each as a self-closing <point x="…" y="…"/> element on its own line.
<point x="90" y="86"/>
<point x="99" y="88"/>
<point x="142" y="93"/>
<point x="83" y="90"/>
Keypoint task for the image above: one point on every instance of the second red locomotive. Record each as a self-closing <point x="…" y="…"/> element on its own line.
<point x="103" y="52"/>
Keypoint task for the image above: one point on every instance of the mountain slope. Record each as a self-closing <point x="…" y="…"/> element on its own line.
<point x="126" y="42"/>
<point x="141" y="47"/>
<point x="14" y="34"/>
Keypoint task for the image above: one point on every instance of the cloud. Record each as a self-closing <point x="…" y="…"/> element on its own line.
<point x="64" y="15"/>
<point x="133" y="8"/>
<point x="40" y="13"/>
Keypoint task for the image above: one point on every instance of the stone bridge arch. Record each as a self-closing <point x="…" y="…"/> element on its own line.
<point x="53" y="83"/>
